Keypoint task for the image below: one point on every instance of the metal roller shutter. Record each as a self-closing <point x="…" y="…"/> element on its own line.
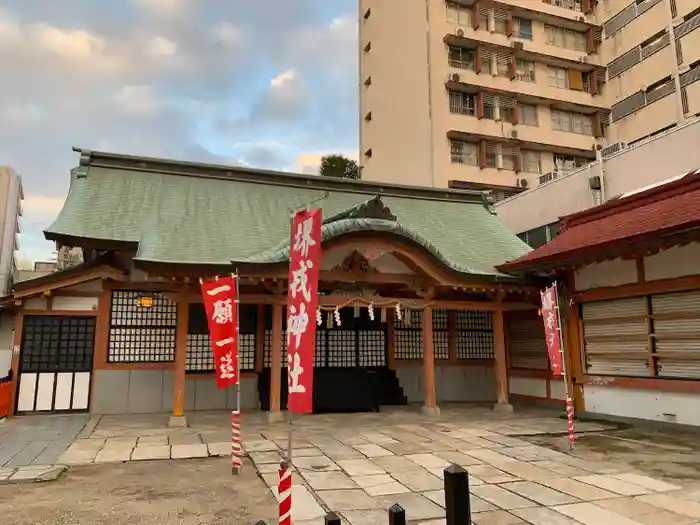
<point x="615" y="337"/>
<point x="527" y="345"/>
<point x="676" y="322"/>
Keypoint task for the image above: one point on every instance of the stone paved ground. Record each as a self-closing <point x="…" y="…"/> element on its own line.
<point x="521" y="472"/>
<point x="37" y="441"/>
<point x="360" y="464"/>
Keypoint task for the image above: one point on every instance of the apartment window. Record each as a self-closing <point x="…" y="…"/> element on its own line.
<point x="490" y="108"/>
<point x="528" y="115"/>
<point x="464" y="152"/>
<point x="531" y="161"/>
<point x="491" y="158"/>
<point x="458" y="14"/>
<point x="566" y="38"/>
<point x="572" y="122"/>
<point x="483" y="19"/>
<point x="566" y="163"/>
<point x="502" y="68"/>
<point x="461" y="58"/>
<point x="524" y="70"/>
<point x="576" y="5"/>
<point x="558" y="77"/>
<point x="462" y="103"/>
<point x="522" y="28"/>
<point x="500" y="26"/>
<point x="508" y="161"/>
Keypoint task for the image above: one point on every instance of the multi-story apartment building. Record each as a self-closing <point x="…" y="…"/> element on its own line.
<point x="11" y="196"/>
<point x="516" y="92"/>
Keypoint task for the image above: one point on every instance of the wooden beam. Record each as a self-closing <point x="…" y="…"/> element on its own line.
<point x="641" y="270"/>
<point x="103" y="272"/>
<point x="677" y="284"/>
<point x="429" y="361"/>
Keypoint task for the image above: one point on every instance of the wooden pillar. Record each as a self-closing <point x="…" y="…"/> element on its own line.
<point x="390" y="335"/>
<point x="501" y="365"/>
<point x="14" y="363"/>
<point x="178" y="418"/>
<point x="276" y="365"/>
<point x="430" y="407"/>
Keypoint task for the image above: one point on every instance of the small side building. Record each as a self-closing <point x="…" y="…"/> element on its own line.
<point x="125" y="331"/>
<point x="629" y="271"/>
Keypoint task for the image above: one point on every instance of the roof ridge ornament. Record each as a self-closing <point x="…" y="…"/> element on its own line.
<point x="373" y="208"/>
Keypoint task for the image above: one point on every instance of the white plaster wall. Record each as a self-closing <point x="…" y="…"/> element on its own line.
<point x="35" y="303"/>
<point x="674" y="262"/>
<point x="74" y="303"/>
<point x="528" y="386"/>
<point x="557" y="390"/>
<point x="607" y="273"/>
<point x="643" y="404"/>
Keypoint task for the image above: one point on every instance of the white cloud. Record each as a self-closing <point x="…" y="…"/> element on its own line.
<point x="228" y="34"/>
<point x="19" y="114"/>
<point x="160" y="46"/>
<point x="162" y="7"/>
<point x="138" y="101"/>
<point x="77" y="44"/>
<point x="10" y="31"/>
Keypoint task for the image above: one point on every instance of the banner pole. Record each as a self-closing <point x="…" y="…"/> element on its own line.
<point x="237" y="446"/>
<point x="569" y="403"/>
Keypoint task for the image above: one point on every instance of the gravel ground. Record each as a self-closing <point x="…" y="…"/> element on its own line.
<point x="155" y="492"/>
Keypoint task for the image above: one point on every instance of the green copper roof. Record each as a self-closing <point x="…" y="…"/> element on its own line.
<point x="203" y="220"/>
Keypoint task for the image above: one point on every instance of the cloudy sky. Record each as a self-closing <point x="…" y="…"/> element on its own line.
<point x="265" y="83"/>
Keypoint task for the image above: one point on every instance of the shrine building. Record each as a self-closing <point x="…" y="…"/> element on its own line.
<point x="125" y="332"/>
<point x="632" y="314"/>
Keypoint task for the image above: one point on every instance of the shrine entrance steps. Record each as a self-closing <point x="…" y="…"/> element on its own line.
<point x="348" y="389"/>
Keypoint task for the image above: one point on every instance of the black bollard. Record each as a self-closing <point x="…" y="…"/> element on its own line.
<point x="457" y="502"/>
<point x="397" y="516"/>
<point x="332" y="519"/>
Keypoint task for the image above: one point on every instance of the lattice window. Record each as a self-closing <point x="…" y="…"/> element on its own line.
<point x="408" y="335"/>
<point x="267" y="344"/>
<point x="475" y="334"/>
<point x="342" y="341"/>
<point x="140" y="333"/>
<point x="371" y="340"/>
<point x="57" y="344"/>
<point x="200" y="357"/>
<point x="441" y="334"/>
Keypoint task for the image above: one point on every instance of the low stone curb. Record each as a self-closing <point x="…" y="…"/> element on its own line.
<point x="31" y="474"/>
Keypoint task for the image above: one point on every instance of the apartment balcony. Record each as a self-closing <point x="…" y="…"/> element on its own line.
<point x="502" y="70"/>
<point x="529" y="137"/>
<point x="581" y="14"/>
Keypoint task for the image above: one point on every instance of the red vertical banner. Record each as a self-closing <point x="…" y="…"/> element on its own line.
<point x="219" y="298"/>
<point x="551" y="328"/>
<point x="302" y="301"/>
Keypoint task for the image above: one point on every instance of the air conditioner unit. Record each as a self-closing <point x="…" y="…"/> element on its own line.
<point x="460" y="32"/>
<point x="518" y="46"/>
<point x="523" y="183"/>
<point x="454" y="77"/>
<point x="581" y="18"/>
<point x="594" y="183"/>
<point x="513" y="134"/>
<point x="584" y="59"/>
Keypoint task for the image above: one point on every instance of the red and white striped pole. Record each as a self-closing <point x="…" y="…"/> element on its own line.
<point x="284" y="490"/>
<point x="236" y="451"/>
<point x="570" y="417"/>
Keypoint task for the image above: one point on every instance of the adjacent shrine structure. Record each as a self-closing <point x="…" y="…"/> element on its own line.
<point x="126" y="331"/>
<point x="630" y="269"/>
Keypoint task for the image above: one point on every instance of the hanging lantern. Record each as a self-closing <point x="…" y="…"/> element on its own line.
<point x="383" y="315"/>
<point x="329" y="320"/>
<point x="336" y="314"/>
<point x="319" y="317"/>
<point x="370" y="311"/>
<point x="356" y="310"/>
<point x="408" y="318"/>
